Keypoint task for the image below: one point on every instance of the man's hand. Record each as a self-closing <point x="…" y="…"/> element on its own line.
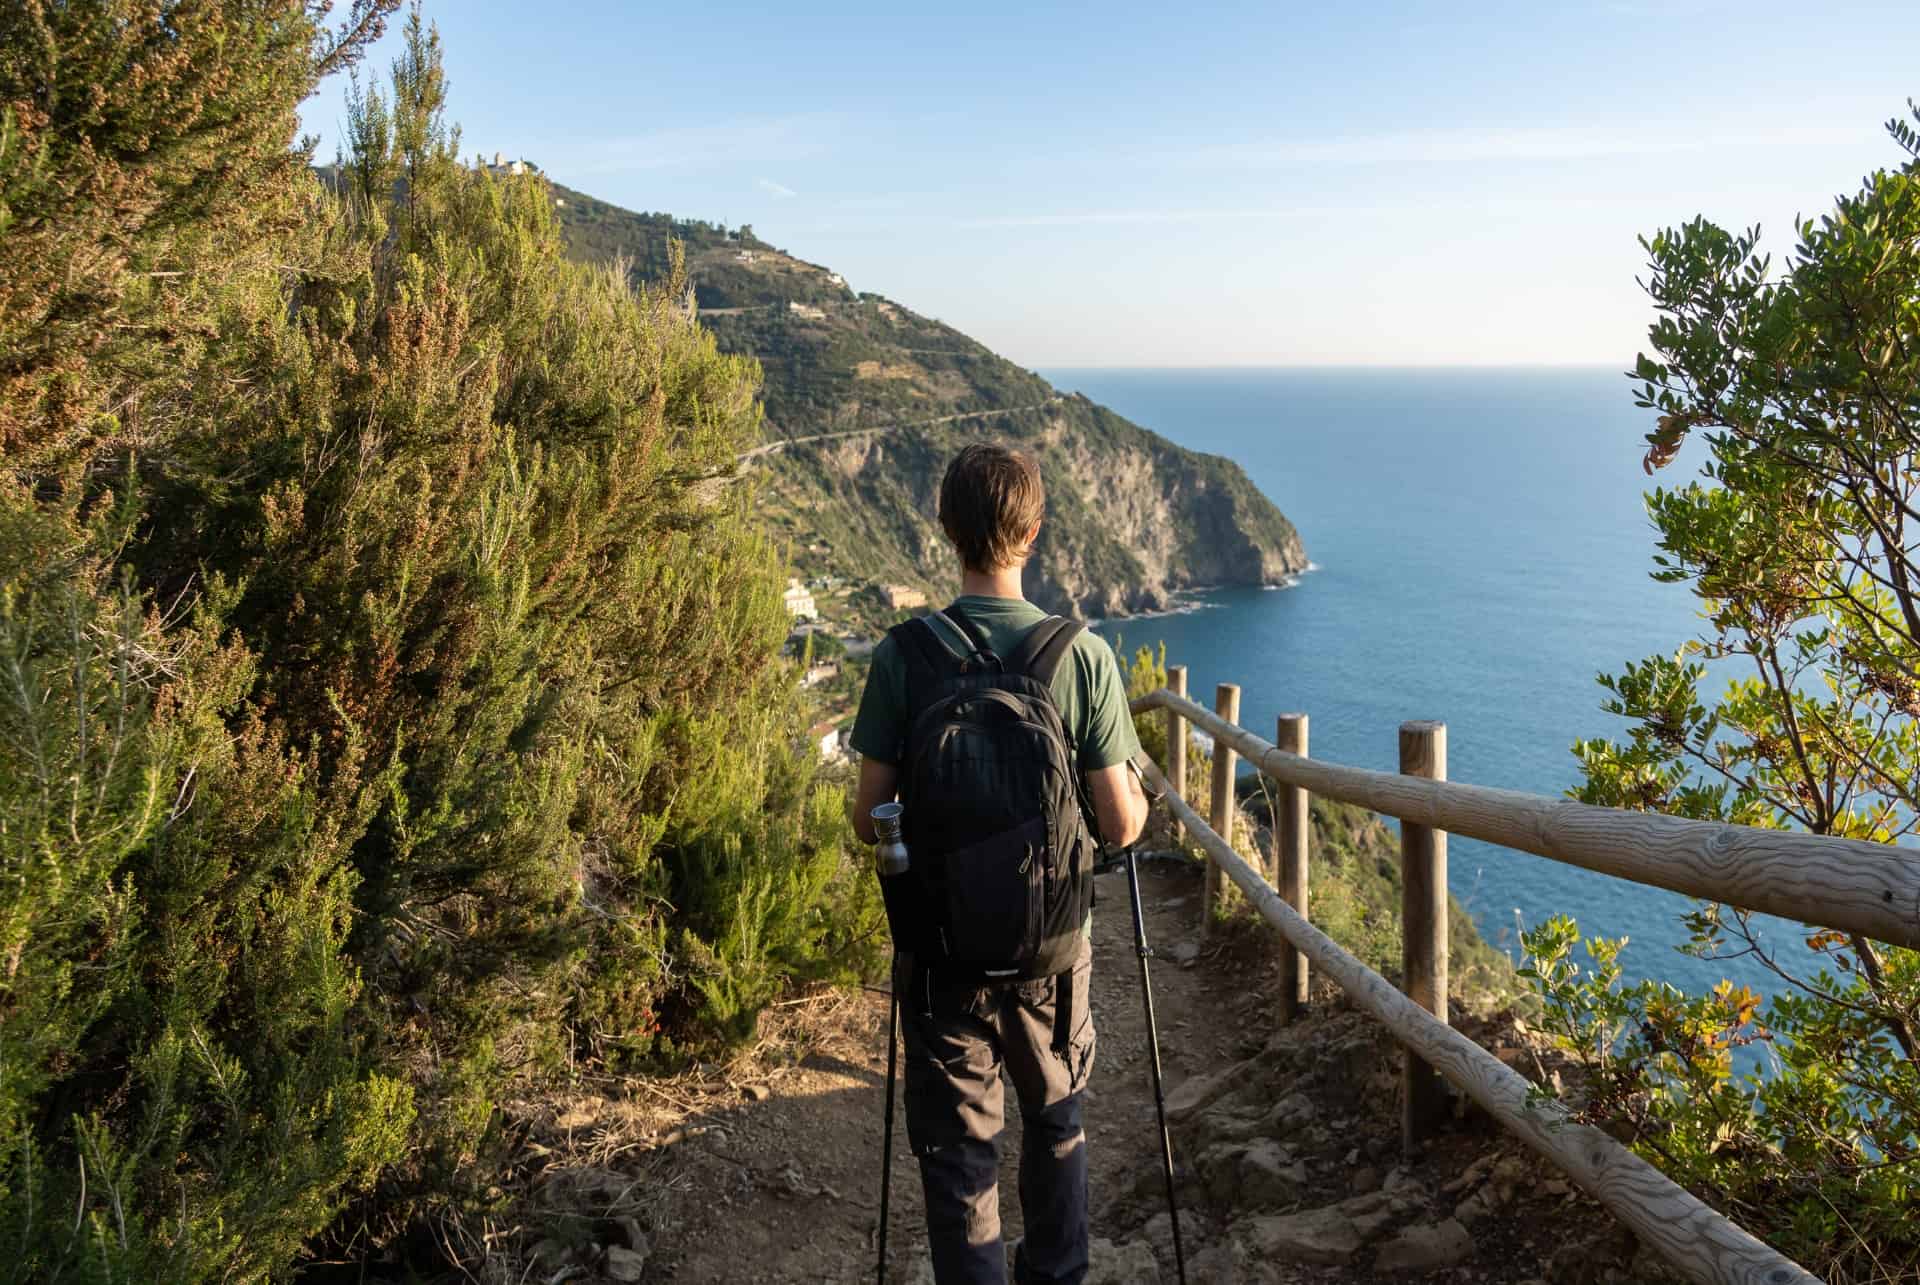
<point x="879" y="782"/>
<point x="1118" y="804"/>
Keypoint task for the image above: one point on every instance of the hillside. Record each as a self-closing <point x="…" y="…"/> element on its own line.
<point x="866" y="400"/>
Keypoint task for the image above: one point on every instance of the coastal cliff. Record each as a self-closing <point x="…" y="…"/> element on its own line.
<point x="866" y="401"/>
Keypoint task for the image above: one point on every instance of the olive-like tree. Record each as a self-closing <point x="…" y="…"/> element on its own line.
<point x="1801" y="539"/>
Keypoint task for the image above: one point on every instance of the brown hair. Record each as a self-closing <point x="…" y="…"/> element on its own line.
<point x="989" y="501"/>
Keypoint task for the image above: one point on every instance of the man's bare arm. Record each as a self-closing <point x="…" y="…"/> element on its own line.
<point x="878" y="784"/>
<point x="1119" y="803"/>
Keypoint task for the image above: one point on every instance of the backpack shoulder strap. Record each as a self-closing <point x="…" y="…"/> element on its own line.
<point x="971" y="631"/>
<point x="1039" y="654"/>
<point x="929" y="658"/>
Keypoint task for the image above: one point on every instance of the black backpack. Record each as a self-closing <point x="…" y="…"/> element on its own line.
<point x="997" y="825"/>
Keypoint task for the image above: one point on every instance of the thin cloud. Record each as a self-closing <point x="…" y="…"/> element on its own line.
<point x="779" y="190"/>
<point x="1468" y="146"/>
<point x="1526" y="206"/>
<point x="1084" y="218"/>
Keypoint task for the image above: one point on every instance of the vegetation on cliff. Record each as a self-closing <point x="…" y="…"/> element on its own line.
<point x="386" y="716"/>
<point x="1805" y="385"/>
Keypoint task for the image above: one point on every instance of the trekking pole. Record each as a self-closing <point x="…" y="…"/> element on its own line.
<point x="892" y="860"/>
<point x="886" y="1145"/>
<point x="1153" y="1044"/>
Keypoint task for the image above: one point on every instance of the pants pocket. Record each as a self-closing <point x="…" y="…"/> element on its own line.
<point x="952" y="1084"/>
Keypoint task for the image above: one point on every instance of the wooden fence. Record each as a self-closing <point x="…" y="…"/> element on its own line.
<point x="1865" y="888"/>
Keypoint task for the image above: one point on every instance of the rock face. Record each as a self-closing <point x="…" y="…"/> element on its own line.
<point x="1132" y="520"/>
<point x="1158" y="520"/>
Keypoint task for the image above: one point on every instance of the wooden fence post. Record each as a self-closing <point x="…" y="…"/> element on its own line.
<point x="1176" y="739"/>
<point x="1423" y="914"/>
<point x="1290" y="865"/>
<point x="1226" y="703"/>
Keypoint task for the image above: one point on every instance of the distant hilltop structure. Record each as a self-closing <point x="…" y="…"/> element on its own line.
<point x="501" y="165"/>
<point x="903" y="598"/>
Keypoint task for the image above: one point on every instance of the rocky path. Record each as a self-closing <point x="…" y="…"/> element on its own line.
<point x="1290" y="1161"/>
<point x="800" y="1201"/>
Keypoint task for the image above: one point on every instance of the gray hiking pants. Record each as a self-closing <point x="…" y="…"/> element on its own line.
<point x="958" y="1038"/>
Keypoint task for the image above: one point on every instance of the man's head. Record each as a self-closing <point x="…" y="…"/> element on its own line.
<point x="990" y="505"/>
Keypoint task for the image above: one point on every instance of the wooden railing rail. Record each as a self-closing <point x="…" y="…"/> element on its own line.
<point x="1682" y="1229"/>
<point x="1868" y="888"/>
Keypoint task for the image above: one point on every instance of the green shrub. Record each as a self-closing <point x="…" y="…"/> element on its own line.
<point x="393" y="683"/>
<point x="189" y="1074"/>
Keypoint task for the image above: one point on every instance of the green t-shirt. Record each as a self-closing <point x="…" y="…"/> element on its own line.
<point x="1087" y="687"/>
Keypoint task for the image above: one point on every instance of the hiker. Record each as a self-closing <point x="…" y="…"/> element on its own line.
<point x="993" y="953"/>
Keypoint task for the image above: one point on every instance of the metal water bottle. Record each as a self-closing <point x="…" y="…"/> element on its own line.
<point x="890" y="858"/>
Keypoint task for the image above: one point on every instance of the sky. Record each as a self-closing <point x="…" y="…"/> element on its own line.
<point x="1124" y="184"/>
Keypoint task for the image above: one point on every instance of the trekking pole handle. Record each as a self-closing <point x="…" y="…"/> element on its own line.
<point x="1112" y="859"/>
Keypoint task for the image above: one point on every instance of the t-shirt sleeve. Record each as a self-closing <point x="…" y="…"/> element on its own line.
<point x="1108" y="737"/>
<point x="880" y="728"/>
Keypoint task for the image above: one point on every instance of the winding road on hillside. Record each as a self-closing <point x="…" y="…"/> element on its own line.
<point x="772" y="448"/>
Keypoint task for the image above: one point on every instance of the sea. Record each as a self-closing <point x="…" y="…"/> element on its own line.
<point x="1481" y="553"/>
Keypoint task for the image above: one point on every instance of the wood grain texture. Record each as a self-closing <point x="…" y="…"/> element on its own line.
<point x="1292" y="833"/>
<point x="1697" y="1241"/>
<point x="1226" y="704"/>
<point x="1423" y="931"/>
<point x="1868" y="888"/>
<point x="1177" y="733"/>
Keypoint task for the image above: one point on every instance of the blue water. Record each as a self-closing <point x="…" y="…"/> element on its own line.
<point x="1482" y="551"/>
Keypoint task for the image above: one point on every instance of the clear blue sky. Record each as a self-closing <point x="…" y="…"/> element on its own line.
<point x="1261" y="184"/>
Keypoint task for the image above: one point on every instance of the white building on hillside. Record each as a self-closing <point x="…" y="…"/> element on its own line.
<point x="799" y="600"/>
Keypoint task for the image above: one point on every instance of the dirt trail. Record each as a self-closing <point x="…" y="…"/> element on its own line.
<point x="1290" y="1165"/>
<point x="786" y="1189"/>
